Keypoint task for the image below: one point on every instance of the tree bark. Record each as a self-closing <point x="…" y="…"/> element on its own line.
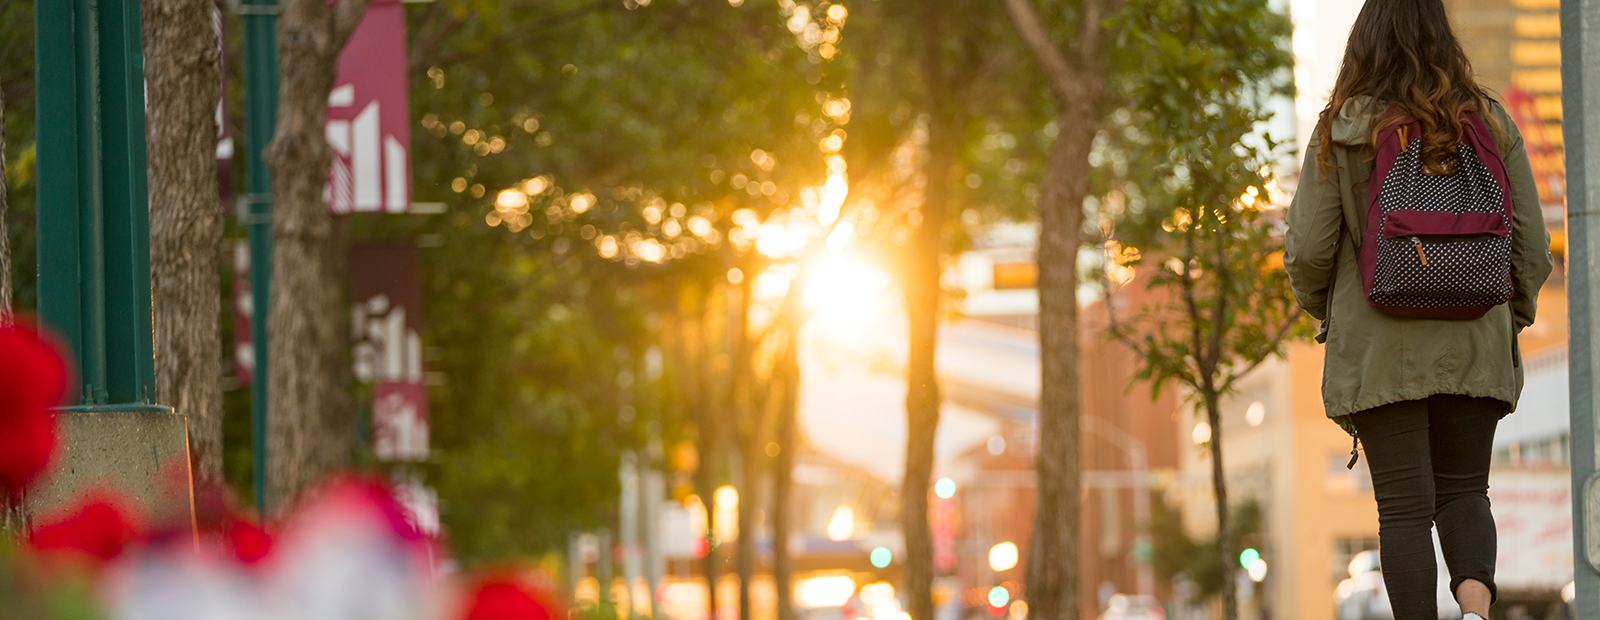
<point x="923" y="296"/>
<point x="339" y="435"/>
<point x="1213" y="394"/>
<point x="745" y="547"/>
<point x="305" y="313"/>
<point x="1053" y="571"/>
<point x="747" y="419"/>
<point x="1077" y="80"/>
<point x="1219" y="486"/>
<point x="709" y="436"/>
<point x="13" y="521"/>
<point x="788" y="371"/>
<point x="5" y="231"/>
<point x="183" y="86"/>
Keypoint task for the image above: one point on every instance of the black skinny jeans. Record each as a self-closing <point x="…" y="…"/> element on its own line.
<point x="1430" y="465"/>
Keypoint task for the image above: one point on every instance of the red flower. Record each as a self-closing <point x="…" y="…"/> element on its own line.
<point x="33" y="379"/>
<point x="99" y="527"/>
<point x="217" y="519"/>
<point x="499" y="599"/>
<point x="249" y="543"/>
<point x="355" y="494"/>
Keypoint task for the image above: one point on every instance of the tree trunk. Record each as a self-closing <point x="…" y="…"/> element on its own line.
<point x="5" y="231"/>
<point x="747" y="424"/>
<point x="745" y="548"/>
<point x="338" y="439"/>
<point x="709" y="436"/>
<point x="303" y="319"/>
<point x="1219" y="487"/>
<point x="1077" y="80"/>
<point x="923" y="295"/>
<point x="12" y="519"/>
<point x="1052" y="573"/>
<point x="788" y="371"/>
<point x="181" y="66"/>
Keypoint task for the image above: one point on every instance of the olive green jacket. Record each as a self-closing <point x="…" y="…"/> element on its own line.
<point x="1375" y="358"/>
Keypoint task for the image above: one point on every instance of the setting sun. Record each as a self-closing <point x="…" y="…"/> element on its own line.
<point x="849" y="297"/>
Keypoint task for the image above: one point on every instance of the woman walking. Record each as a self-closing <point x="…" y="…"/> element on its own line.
<point x="1417" y="239"/>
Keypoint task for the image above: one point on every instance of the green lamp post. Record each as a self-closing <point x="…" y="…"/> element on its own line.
<point x="94" y="220"/>
<point x="94" y="251"/>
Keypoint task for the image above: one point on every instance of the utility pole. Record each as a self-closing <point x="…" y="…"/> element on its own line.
<point x="94" y="252"/>
<point x="1580" y="81"/>
<point x="260" y="24"/>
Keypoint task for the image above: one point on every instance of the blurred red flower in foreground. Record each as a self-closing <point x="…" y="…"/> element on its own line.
<point x="33" y="379"/>
<point x="352" y="495"/>
<point x="500" y="599"/>
<point x="100" y="527"/>
<point x="250" y="543"/>
<point x="217" y="518"/>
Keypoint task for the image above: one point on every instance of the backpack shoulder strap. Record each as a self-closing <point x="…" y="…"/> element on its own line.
<point x="1476" y="133"/>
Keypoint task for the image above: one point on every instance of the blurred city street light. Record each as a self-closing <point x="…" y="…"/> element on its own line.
<point x="843" y="524"/>
<point x="829" y="591"/>
<point x="999" y="597"/>
<point x="1258" y="570"/>
<point x="1003" y="557"/>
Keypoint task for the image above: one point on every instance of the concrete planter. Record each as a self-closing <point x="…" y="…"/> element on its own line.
<point x="138" y="451"/>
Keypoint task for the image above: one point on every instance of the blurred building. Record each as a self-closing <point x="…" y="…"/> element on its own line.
<point x="1129" y="441"/>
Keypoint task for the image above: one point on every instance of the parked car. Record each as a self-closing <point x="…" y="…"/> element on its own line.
<point x="1125" y="607"/>
<point x="1364" y="597"/>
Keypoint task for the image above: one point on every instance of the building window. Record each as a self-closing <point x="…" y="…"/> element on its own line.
<point x="1536" y="454"/>
<point x="1342" y="482"/>
<point x="1344" y="550"/>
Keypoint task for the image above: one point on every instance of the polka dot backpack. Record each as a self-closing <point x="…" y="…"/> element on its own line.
<point x="1437" y="245"/>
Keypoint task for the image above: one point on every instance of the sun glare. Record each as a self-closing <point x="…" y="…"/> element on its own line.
<point x="848" y="296"/>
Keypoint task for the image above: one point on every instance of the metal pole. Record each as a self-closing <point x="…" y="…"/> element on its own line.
<point x="1580" y="78"/>
<point x="94" y="218"/>
<point x="94" y="255"/>
<point x="628" y="524"/>
<point x="260" y="24"/>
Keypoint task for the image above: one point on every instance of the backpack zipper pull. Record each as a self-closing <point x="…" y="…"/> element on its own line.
<point x="1420" y="254"/>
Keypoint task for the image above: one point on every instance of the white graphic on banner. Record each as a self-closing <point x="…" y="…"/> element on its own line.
<point x="369" y="167"/>
<point x="386" y="350"/>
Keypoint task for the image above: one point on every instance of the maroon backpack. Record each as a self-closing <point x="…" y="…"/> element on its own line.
<point x="1437" y="246"/>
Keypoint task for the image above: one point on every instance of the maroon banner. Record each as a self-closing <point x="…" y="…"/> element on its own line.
<point x="386" y="325"/>
<point x="369" y="117"/>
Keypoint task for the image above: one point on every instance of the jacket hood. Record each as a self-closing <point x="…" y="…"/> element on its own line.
<point x="1353" y="125"/>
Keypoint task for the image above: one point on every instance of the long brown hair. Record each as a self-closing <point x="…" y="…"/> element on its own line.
<point x="1404" y="55"/>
